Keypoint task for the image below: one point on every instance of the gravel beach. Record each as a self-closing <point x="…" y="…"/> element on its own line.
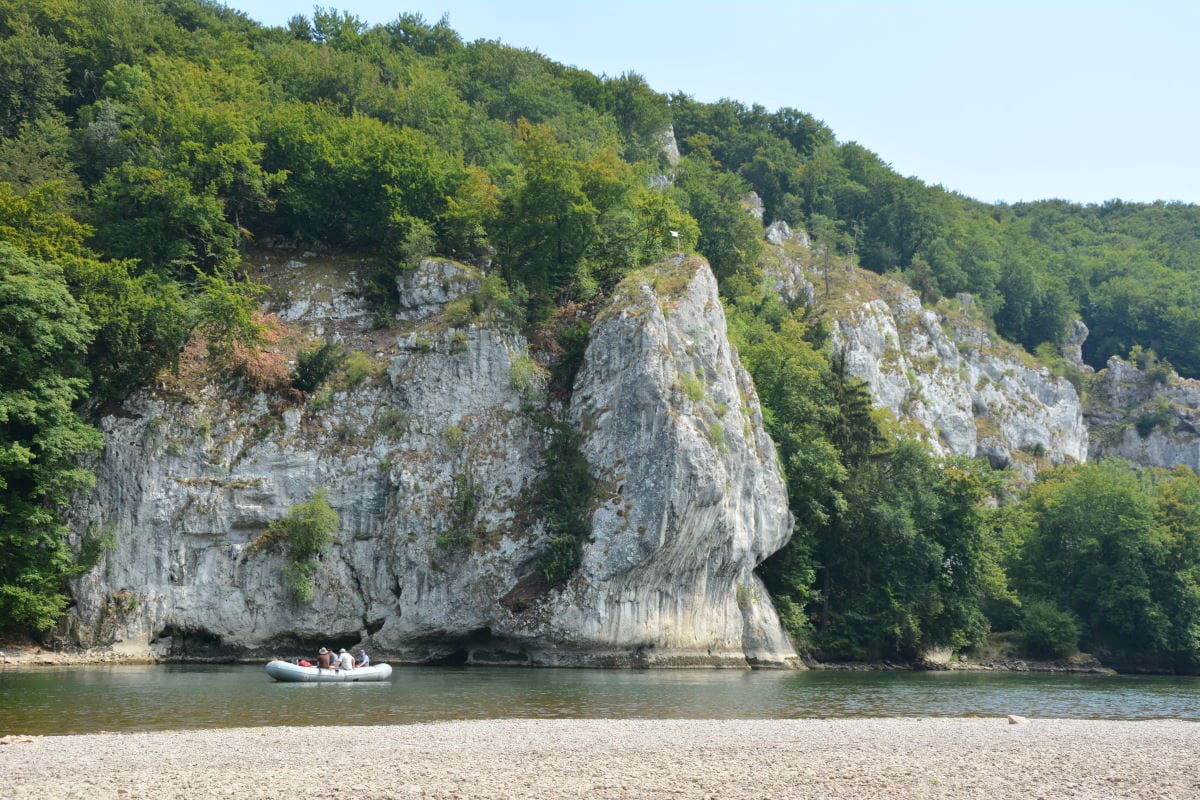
<point x="859" y="758"/>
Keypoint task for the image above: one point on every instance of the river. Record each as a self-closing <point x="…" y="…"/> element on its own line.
<point x="88" y="699"/>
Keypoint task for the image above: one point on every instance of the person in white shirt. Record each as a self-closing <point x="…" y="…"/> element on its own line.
<point x="347" y="660"/>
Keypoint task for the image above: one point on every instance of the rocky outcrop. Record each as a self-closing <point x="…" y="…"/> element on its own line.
<point x="694" y="497"/>
<point x="947" y="375"/>
<point x="779" y="232"/>
<point x="668" y="158"/>
<point x="1072" y="348"/>
<point x="1149" y="416"/>
<point x="752" y="204"/>
<point x="943" y="369"/>
<point x="669" y="147"/>
<point x="430" y="455"/>
<point x="191" y="476"/>
<point x="425" y="291"/>
<point x="785" y="263"/>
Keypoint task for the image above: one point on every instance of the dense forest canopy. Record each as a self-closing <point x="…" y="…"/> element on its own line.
<point x="148" y="146"/>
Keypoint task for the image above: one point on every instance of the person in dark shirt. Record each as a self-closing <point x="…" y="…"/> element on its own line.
<point x="323" y="658"/>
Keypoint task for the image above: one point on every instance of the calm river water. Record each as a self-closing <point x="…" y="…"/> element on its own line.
<point x="87" y="699"/>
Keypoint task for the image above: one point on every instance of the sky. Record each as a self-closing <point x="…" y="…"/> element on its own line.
<point x="1001" y="101"/>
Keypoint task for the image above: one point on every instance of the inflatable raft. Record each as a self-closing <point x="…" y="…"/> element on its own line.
<point x="293" y="673"/>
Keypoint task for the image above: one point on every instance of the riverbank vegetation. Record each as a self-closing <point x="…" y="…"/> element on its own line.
<point x="146" y="147"/>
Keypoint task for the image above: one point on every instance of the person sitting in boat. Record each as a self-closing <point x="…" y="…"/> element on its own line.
<point x="324" y="659"/>
<point x="346" y="660"/>
<point x="363" y="660"/>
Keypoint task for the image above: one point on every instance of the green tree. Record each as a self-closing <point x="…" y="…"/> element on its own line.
<point x="155" y="216"/>
<point x="32" y="78"/>
<point x="1047" y="632"/>
<point x="547" y="222"/>
<point x="729" y="237"/>
<point x="567" y="493"/>
<point x="141" y="320"/>
<point x="194" y="174"/>
<point x="907" y="564"/>
<point x="227" y="315"/>
<point x="641" y="114"/>
<point x="414" y="32"/>
<point x="789" y="373"/>
<point x="829" y="239"/>
<point x="471" y="212"/>
<point x="1119" y="550"/>
<point x="1177" y="499"/>
<point x="44" y="336"/>
<point x="354" y="180"/>
<point x="40" y="155"/>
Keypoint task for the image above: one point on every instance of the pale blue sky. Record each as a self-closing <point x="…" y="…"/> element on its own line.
<point x="1011" y="101"/>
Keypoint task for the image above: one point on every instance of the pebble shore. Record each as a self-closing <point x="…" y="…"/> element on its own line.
<point x="842" y="758"/>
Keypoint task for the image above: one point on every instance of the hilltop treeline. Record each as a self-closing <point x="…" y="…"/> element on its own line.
<point x="146" y="146"/>
<point x="1127" y="269"/>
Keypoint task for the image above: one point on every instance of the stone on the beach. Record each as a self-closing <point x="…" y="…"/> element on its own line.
<point x="1013" y="719"/>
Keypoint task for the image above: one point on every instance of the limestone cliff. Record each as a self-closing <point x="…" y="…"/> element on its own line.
<point x="942" y="369"/>
<point x="429" y="453"/>
<point x="1149" y="416"/>
<point x="695" y="499"/>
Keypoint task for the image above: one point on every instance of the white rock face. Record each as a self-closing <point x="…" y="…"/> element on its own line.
<point x="669" y="158"/>
<point x="786" y="269"/>
<point x="425" y="290"/>
<point x="752" y="204"/>
<point x="1159" y="448"/>
<point x="968" y="392"/>
<point x="190" y="477"/>
<point x="779" y="232"/>
<point x="695" y="499"/>
<point x="1167" y="406"/>
<point x="186" y="484"/>
<point x="669" y="146"/>
<point x="967" y="399"/>
<point x="1072" y="349"/>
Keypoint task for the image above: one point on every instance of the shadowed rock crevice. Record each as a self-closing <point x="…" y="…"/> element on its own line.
<point x="478" y="647"/>
<point x="191" y="644"/>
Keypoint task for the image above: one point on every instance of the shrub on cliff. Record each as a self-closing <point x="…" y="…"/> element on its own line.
<point x="313" y="366"/>
<point x="301" y="534"/>
<point x="567" y="494"/>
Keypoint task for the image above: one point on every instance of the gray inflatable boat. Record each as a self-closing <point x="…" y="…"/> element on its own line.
<point x="294" y="673"/>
